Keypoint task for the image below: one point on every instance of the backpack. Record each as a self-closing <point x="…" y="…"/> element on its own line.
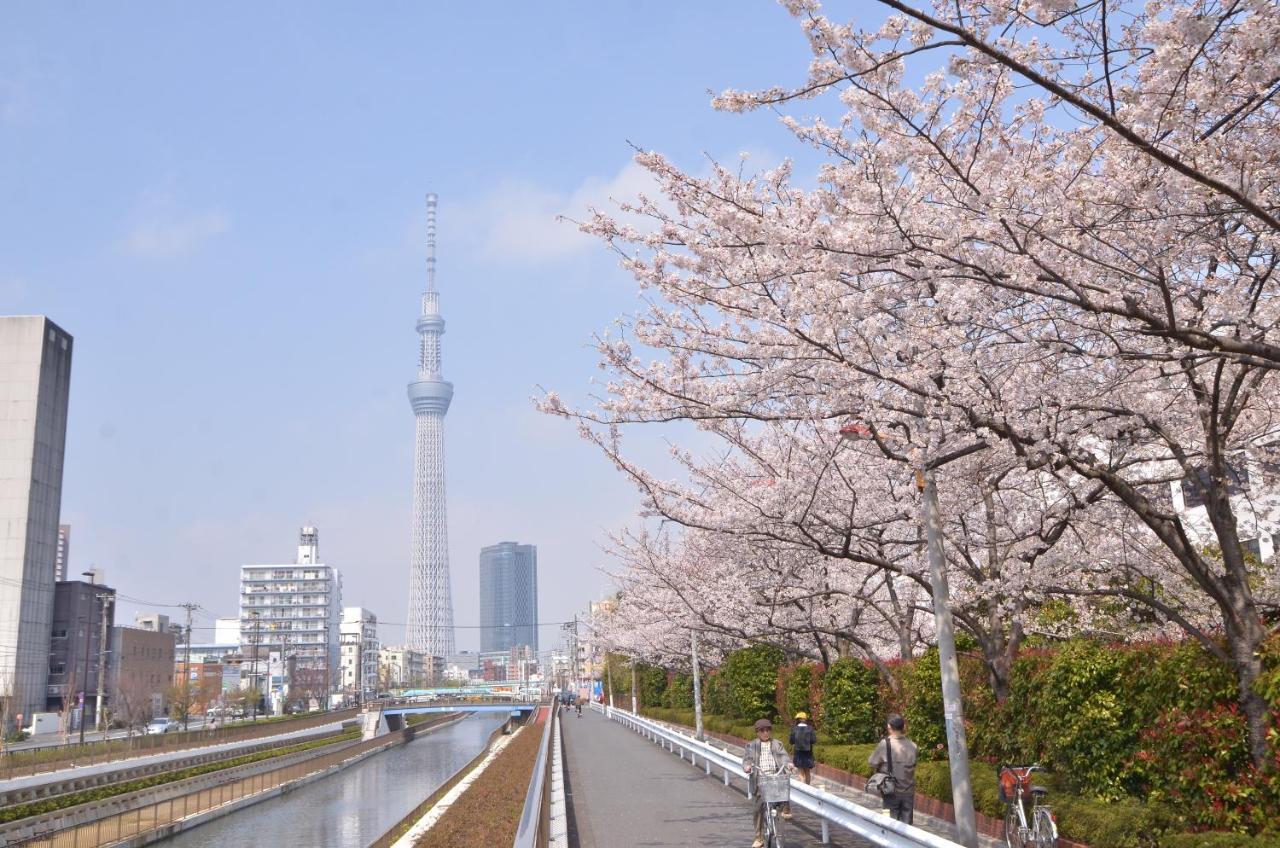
<point x="805" y="737"/>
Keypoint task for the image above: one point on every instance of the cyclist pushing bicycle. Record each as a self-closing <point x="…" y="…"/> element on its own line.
<point x="768" y="768"/>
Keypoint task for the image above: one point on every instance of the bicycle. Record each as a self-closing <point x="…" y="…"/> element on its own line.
<point x="1015" y="789"/>
<point x="775" y="792"/>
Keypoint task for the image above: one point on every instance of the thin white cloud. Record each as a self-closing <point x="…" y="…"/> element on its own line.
<point x="161" y="230"/>
<point x="520" y="221"/>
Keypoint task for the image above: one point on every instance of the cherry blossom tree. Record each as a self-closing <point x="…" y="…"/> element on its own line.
<point x="1058" y="246"/>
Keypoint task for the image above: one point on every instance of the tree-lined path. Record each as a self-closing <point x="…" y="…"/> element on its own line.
<point x="624" y="790"/>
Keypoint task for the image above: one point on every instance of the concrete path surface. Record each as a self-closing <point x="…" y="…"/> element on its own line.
<point x="626" y="792"/>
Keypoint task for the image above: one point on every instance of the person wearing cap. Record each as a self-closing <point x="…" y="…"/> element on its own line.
<point x="901" y="803"/>
<point x="803" y="738"/>
<point x="764" y="755"/>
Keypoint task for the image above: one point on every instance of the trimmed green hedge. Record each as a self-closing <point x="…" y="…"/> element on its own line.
<point x="852" y="711"/>
<point x="1220" y="840"/>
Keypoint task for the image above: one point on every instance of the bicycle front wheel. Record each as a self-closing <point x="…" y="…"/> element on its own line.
<point x="775" y="810"/>
<point x="1044" y="831"/>
<point x="1012" y="828"/>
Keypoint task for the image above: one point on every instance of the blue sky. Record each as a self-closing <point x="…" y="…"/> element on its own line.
<point x="224" y="205"/>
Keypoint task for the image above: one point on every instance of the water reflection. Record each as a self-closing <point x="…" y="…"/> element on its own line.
<point x="355" y="806"/>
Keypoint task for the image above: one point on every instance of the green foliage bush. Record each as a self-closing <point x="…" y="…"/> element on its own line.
<point x="852" y="710"/>
<point x="1199" y="762"/>
<point x="652" y="682"/>
<point x="679" y="694"/>
<point x="1085" y="718"/>
<point x="800" y="690"/>
<point x="1220" y="840"/>
<point x="921" y="683"/>
<point x="715" y="695"/>
<point x="752" y="674"/>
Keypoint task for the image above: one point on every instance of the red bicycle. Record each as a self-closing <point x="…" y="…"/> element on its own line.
<point x="1039" y="828"/>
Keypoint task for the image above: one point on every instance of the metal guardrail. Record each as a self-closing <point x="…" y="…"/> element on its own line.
<point x="830" y="808"/>
<point x="532" y="832"/>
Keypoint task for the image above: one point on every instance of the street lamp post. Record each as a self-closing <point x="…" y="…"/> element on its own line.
<point x="84" y="684"/>
<point x="952" y="703"/>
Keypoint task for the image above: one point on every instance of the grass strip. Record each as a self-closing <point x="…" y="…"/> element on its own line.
<point x="488" y="813"/>
<point x="71" y="799"/>
<point x="15" y="761"/>
<point x="430" y="801"/>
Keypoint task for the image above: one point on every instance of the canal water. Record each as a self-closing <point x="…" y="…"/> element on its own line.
<point x="352" y="808"/>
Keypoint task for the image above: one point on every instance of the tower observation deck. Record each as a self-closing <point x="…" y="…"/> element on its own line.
<point x="430" y="620"/>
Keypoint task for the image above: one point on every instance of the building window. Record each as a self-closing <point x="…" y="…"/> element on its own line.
<point x="1196" y="485"/>
<point x="1252" y="546"/>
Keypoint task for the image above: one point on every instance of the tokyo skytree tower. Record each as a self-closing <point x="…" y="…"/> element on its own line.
<point x="430" y="599"/>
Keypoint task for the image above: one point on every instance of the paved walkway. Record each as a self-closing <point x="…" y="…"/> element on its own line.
<point x="131" y="762"/>
<point x="626" y="792"/>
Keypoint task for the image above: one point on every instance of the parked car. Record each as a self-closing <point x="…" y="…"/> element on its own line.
<point x="161" y="725"/>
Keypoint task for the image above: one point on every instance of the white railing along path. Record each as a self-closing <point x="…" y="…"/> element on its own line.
<point x="829" y="808"/>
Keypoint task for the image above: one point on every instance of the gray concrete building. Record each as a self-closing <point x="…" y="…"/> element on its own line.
<point x="35" y="379"/>
<point x="83" y="615"/>
<point x="508" y="596"/>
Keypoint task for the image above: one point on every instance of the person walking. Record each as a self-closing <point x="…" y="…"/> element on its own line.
<point x="896" y="756"/>
<point x="764" y="755"/>
<point x="803" y="738"/>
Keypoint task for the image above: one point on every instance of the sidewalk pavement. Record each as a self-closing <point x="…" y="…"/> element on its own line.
<point x="626" y="792"/>
<point x="938" y="826"/>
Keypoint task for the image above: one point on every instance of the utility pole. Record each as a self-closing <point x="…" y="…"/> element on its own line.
<point x="635" y="703"/>
<point x="103" y="598"/>
<point x="186" y="669"/>
<point x="952" y="705"/>
<point x="608" y="675"/>
<point x="257" y="643"/>
<point x="697" y="688"/>
<point x="360" y="664"/>
<point x="84" y="685"/>
<point x="953" y="709"/>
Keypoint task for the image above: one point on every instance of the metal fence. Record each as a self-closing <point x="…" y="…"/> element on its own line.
<point x="54" y="757"/>
<point x="534" y="819"/>
<point x="113" y="828"/>
<point x="830" y="809"/>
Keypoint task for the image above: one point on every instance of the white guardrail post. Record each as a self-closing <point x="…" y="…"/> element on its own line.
<point x="831" y="809"/>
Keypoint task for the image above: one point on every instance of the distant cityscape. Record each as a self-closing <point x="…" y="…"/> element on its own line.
<point x="66" y="664"/>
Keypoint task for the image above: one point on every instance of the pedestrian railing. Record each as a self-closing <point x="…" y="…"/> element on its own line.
<point x="830" y="809"/>
<point x="532" y="832"/>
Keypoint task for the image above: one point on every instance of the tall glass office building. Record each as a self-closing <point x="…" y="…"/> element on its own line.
<point x="508" y="596"/>
<point x="35" y="378"/>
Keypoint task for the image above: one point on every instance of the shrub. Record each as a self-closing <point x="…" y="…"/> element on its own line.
<point x="921" y="683"/>
<point x="715" y="694"/>
<point x="1199" y="762"/>
<point x="679" y="694"/>
<point x="751" y="674"/>
<point x="1083" y="713"/>
<point x="652" y="682"/>
<point x="852" y="711"/>
<point x="803" y="682"/>
<point x="1213" y="839"/>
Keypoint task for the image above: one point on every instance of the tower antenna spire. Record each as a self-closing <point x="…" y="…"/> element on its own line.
<point x="431" y="241"/>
